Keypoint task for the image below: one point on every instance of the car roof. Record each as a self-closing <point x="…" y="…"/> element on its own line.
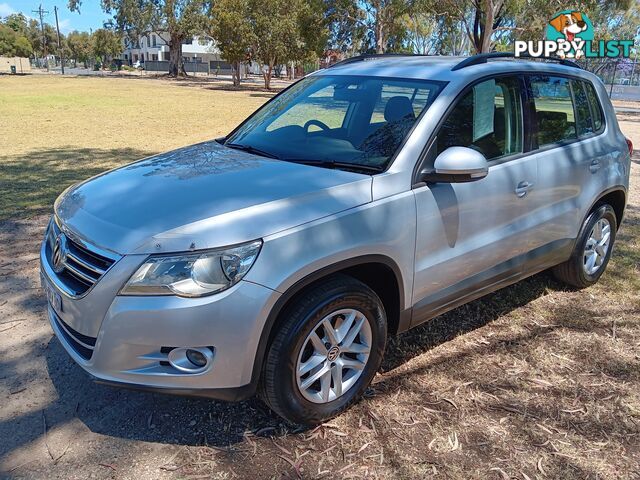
<point x="443" y="68"/>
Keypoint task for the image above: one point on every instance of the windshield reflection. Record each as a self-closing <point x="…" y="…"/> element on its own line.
<point x="208" y="158"/>
<point x="338" y="119"/>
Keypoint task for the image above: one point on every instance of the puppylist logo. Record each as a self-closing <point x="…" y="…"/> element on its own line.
<point x="570" y="34"/>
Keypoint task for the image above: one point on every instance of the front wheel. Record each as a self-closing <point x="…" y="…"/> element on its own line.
<point x="592" y="251"/>
<point x="326" y="351"/>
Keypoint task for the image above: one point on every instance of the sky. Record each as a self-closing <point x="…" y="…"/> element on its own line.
<point x="91" y="15"/>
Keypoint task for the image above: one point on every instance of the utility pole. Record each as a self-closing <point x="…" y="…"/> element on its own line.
<point x="42" y="12"/>
<point x="55" y="10"/>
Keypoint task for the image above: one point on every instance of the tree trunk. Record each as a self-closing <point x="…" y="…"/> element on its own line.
<point x="379" y="31"/>
<point x="236" y="74"/>
<point x="176" y="66"/>
<point x="267" y="74"/>
<point x="489" y="17"/>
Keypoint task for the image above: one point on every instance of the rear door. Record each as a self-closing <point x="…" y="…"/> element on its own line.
<point x="571" y="158"/>
<point x="471" y="236"/>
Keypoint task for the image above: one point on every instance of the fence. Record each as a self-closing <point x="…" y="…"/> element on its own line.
<point x="621" y="76"/>
<point x="220" y="67"/>
<point x="163" y="66"/>
<point x="616" y="71"/>
<point x="630" y="93"/>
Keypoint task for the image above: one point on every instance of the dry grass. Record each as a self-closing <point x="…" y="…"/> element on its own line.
<point x="534" y="381"/>
<point x="57" y="131"/>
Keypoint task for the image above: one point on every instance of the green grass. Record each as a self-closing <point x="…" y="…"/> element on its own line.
<point x="59" y="130"/>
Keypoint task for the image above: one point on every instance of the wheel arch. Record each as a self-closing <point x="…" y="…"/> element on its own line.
<point x="379" y="272"/>
<point x="617" y="198"/>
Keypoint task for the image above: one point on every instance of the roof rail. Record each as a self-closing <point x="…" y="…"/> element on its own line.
<point x="371" y="56"/>
<point x="485" y="57"/>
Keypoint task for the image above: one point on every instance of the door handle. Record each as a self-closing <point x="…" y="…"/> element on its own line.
<point x="523" y="188"/>
<point x="594" y="166"/>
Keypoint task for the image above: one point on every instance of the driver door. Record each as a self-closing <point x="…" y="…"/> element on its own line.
<point x="471" y="236"/>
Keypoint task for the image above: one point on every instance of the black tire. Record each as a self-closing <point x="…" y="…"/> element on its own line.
<point x="279" y="387"/>
<point x="572" y="272"/>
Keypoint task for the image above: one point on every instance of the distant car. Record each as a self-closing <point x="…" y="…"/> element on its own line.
<point x="138" y="64"/>
<point x="363" y="200"/>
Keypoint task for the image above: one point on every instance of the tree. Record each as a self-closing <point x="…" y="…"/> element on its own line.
<point x="107" y="44"/>
<point x="35" y="38"/>
<point x="314" y="31"/>
<point x="421" y="32"/>
<point x="18" y="23"/>
<point x="13" y="44"/>
<point x="233" y="31"/>
<point x="285" y="31"/>
<point x="384" y="17"/>
<point x="81" y="47"/>
<point x="13" y="37"/>
<point x="480" y="19"/>
<point x="347" y="26"/>
<point x="379" y="25"/>
<point x="273" y="22"/>
<point x="180" y="19"/>
<point x="489" y="21"/>
<point x="453" y="39"/>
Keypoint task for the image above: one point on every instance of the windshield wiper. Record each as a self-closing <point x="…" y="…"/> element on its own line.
<point x="252" y="150"/>
<point x="340" y="165"/>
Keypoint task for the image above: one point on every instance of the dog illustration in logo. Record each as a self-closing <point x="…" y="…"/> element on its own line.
<point x="570" y="24"/>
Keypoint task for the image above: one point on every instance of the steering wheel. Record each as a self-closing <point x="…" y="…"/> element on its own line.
<point x="317" y="123"/>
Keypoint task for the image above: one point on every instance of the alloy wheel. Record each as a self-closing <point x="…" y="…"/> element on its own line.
<point x="597" y="246"/>
<point x="334" y="355"/>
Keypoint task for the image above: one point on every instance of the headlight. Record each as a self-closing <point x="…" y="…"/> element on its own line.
<point x="193" y="274"/>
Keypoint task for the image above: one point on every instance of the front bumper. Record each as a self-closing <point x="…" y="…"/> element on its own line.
<point x="135" y="334"/>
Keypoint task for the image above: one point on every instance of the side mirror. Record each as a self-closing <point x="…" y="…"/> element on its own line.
<point x="457" y="165"/>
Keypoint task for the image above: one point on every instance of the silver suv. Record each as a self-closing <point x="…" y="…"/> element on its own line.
<point x="360" y="202"/>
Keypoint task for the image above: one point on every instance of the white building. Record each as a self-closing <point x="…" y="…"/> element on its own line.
<point x="153" y="47"/>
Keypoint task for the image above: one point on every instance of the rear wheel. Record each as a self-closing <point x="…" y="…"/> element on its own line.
<point x="326" y="351"/>
<point x="592" y="251"/>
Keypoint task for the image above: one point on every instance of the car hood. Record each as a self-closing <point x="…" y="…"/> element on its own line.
<point x="203" y="196"/>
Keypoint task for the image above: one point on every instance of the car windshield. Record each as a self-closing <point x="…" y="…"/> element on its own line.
<point x="337" y="120"/>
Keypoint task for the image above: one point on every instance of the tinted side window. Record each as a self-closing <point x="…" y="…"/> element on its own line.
<point x="583" y="112"/>
<point x="488" y="118"/>
<point x="596" y="110"/>
<point x="554" y="109"/>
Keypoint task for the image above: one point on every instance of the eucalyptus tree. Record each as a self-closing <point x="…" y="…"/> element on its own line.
<point x="232" y="28"/>
<point x="174" y="20"/>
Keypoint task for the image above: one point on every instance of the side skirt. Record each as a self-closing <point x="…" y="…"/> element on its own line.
<point x="495" y="278"/>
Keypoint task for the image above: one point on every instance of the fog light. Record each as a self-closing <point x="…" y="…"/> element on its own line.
<point x="197" y="358"/>
<point x="191" y="360"/>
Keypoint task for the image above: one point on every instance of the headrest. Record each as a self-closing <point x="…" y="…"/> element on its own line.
<point x="398" y="108"/>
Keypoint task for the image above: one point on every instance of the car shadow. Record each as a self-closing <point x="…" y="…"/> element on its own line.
<point x="30" y="183"/>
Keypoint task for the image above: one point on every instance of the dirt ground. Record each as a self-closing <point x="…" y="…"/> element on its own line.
<point x="534" y="381"/>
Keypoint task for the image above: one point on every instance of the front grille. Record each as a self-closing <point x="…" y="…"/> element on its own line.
<point x="82" y="344"/>
<point x="82" y="266"/>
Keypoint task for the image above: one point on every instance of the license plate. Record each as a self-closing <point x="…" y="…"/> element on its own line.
<point x="53" y="297"/>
